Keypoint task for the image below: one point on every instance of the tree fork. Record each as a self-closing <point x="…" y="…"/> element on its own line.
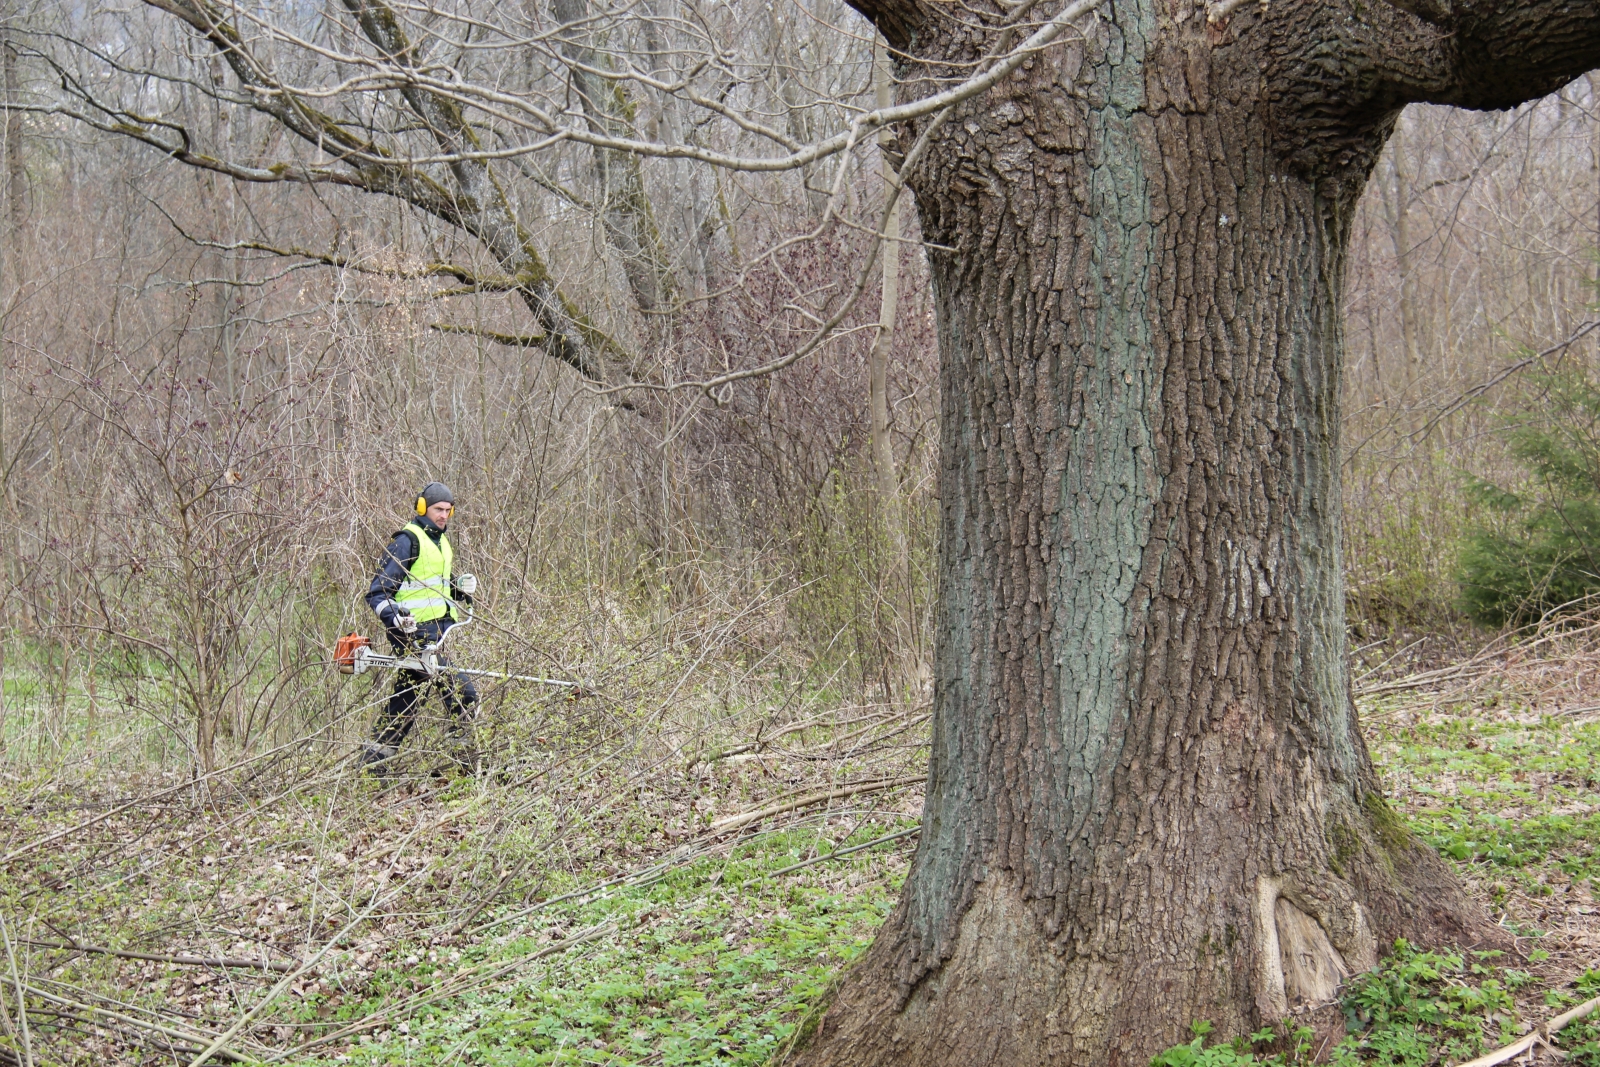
<point x="474" y="200"/>
<point x="1149" y="801"/>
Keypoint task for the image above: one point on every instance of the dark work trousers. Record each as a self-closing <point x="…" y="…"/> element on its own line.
<point x="457" y="692"/>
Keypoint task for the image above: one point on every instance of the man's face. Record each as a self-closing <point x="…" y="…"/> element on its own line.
<point x="439" y="514"/>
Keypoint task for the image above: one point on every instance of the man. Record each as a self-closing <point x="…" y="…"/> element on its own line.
<point x="414" y="595"/>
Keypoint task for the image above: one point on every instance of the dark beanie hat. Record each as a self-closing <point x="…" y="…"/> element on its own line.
<point x="436" y="493"/>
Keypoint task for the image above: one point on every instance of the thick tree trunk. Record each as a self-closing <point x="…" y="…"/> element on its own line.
<point x="625" y="214"/>
<point x="1149" y="801"/>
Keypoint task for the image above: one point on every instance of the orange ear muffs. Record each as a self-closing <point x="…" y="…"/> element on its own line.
<point x="422" y="505"/>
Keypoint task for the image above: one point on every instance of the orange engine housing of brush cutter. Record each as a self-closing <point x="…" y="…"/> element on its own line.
<point x="344" y="653"/>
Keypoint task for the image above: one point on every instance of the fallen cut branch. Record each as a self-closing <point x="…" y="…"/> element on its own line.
<point x="838" y="792"/>
<point x="191" y="784"/>
<point x="154" y="957"/>
<point x="830" y="750"/>
<point x="794" y="728"/>
<point x="505" y="880"/>
<point x="197" y="1037"/>
<point x="838" y="853"/>
<point x="1538" y="1034"/>
<point x="837" y="745"/>
<point x="1455" y="672"/>
<point x="378" y="899"/>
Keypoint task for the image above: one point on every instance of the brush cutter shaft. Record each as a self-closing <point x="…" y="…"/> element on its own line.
<point x="359" y="658"/>
<point x="515" y="677"/>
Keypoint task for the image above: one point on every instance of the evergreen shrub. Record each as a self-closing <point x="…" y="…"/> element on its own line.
<point x="1540" y="551"/>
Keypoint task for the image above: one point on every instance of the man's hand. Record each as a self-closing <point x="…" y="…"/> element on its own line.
<point x="405" y="622"/>
<point x="467" y="583"/>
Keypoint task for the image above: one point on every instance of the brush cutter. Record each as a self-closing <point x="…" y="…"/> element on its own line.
<point x="354" y="655"/>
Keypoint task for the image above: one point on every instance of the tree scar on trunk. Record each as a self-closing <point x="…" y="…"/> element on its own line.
<point x="1149" y="801"/>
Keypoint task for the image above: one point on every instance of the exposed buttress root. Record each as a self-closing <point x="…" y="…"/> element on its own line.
<point x="1299" y="964"/>
<point x="1007" y="994"/>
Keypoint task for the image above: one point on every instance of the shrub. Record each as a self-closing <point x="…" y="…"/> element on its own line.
<point x="1543" y="550"/>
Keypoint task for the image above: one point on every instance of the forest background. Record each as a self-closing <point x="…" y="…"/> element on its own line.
<point x="217" y="397"/>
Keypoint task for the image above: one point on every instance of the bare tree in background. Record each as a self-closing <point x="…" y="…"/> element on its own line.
<point x="461" y="114"/>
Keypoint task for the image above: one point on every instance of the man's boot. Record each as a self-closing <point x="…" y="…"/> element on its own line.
<point x="463" y="733"/>
<point x="375" y="759"/>
<point x="463" y="750"/>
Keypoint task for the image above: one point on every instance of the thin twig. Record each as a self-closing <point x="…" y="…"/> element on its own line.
<point x="489" y="898"/>
<point x="154" y="957"/>
<point x="22" y="1007"/>
<point x="50" y="839"/>
<point x="284" y="983"/>
<point x="456" y="984"/>
<point x="198" y="1037"/>
<point x="734" y="822"/>
<point x="1539" y="1034"/>
<point x="1505" y="372"/>
<point x="836" y="854"/>
<point x="793" y="728"/>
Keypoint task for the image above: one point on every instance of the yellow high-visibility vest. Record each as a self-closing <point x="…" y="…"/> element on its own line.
<point x="426" y="591"/>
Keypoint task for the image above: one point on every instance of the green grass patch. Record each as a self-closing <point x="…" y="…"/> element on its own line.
<point x="716" y="964"/>
<point x="1512" y="795"/>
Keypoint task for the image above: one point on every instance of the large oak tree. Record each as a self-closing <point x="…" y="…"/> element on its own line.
<point x="1149" y="801"/>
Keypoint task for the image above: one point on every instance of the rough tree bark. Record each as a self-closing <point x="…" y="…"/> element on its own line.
<point x="480" y="203"/>
<point x="1148" y="799"/>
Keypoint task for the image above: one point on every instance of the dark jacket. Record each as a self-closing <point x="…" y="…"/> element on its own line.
<point x="393" y="566"/>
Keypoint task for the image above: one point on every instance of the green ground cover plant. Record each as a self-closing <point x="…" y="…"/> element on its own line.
<point x="1417" y="1008"/>
<point x="1520" y="798"/>
<point x="1581" y="1040"/>
<point x="717" y="964"/>
<point x="1512" y="795"/>
<point x="573" y="902"/>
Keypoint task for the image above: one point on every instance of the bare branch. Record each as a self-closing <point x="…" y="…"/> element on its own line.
<point x="510" y="340"/>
